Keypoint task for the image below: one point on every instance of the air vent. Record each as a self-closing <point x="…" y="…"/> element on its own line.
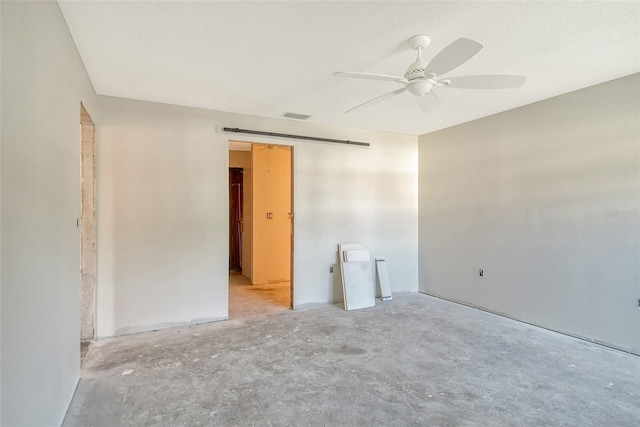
<point x="296" y="116"/>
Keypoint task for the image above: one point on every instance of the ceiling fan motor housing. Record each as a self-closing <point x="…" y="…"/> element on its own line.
<point x="416" y="70"/>
<point x="415" y="74"/>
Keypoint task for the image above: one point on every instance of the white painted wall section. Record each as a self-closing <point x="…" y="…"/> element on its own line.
<point x="162" y="218"/>
<point x="546" y="200"/>
<point x="43" y="83"/>
<point x="163" y="210"/>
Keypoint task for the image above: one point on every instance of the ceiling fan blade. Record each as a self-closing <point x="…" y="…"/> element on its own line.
<point x="430" y="102"/>
<point x="490" y="81"/>
<point x="370" y="76"/>
<point x="378" y="99"/>
<point x="454" y="55"/>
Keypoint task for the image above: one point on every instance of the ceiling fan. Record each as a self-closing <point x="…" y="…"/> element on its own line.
<point x="422" y="76"/>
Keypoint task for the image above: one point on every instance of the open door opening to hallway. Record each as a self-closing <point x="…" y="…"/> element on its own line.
<point x="260" y="229"/>
<point x="87" y="226"/>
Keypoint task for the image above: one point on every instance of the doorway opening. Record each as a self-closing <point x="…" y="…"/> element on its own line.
<point x="260" y="229"/>
<point x="87" y="226"/>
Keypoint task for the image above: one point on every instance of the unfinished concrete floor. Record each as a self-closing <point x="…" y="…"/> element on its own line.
<point x="416" y="360"/>
<point x="247" y="300"/>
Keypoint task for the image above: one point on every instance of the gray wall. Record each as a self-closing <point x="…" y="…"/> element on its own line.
<point x="43" y="83"/>
<point x="544" y="198"/>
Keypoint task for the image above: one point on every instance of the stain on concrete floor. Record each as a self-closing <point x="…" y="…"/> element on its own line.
<point x="416" y="360"/>
<point x="247" y="300"/>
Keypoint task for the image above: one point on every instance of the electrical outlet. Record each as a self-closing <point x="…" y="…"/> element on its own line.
<point x="481" y="273"/>
<point x="331" y="269"/>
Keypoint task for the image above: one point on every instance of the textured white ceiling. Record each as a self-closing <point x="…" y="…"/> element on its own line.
<point x="266" y="58"/>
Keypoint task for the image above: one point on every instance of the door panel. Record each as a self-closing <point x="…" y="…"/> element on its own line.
<point x="260" y="168"/>
<point x="280" y="229"/>
<point x="271" y="167"/>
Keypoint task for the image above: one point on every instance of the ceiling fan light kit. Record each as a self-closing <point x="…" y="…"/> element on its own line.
<point x="419" y="87"/>
<point x="421" y="76"/>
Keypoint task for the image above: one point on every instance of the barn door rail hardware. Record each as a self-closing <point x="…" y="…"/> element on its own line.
<point x="287" y="135"/>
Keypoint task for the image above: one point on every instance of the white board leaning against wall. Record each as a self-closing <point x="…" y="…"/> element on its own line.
<point x="357" y="282"/>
